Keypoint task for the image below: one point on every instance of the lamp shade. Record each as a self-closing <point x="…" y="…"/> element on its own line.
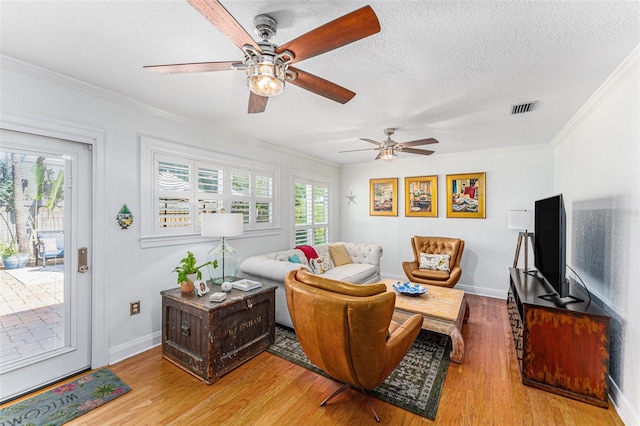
<point x="221" y="224"/>
<point x="520" y="219"/>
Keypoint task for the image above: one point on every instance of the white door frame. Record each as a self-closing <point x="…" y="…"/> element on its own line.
<point x="95" y="137"/>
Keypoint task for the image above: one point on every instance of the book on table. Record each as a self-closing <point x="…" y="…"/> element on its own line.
<point x="217" y="297"/>
<point x="246" y="285"/>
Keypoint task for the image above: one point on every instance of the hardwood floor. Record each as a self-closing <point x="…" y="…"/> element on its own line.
<point x="484" y="390"/>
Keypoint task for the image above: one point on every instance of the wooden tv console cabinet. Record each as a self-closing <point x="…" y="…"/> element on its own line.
<point x="561" y="348"/>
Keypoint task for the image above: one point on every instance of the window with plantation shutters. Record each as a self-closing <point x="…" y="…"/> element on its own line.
<point x="173" y="189"/>
<point x="241" y="193"/>
<point x="210" y="188"/>
<point x="311" y="212"/>
<point x="182" y="183"/>
<point x="252" y="195"/>
<point x="264" y="199"/>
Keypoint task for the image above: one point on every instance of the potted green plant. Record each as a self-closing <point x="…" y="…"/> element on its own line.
<point x="188" y="272"/>
<point x="9" y="253"/>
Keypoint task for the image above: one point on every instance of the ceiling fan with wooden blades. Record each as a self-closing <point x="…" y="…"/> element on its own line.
<point x="268" y="66"/>
<point x="389" y="148"/>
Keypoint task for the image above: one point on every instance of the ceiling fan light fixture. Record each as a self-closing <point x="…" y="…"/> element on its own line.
<point x="388" y="153"/>
<point x="264" y="76"/>
<point x="267" y="71"/>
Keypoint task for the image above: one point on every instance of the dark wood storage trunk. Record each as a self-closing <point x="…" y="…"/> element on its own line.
<point x="209" y="339"/>
<point x="562" y="349"/>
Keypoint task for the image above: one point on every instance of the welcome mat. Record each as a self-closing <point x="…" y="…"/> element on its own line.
<point x="415" y="385"/>
<point x="67" y="401"/>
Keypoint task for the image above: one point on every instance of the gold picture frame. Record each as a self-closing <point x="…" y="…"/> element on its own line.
<point x="421" y="196"/>
<point x="383" y="197"/>
<point x="466" y="195"/>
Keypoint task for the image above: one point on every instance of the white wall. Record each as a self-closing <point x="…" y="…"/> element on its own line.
<point x="515" y="178"/>
<point x="598" y="171"/>
<point x="133" y="273"/>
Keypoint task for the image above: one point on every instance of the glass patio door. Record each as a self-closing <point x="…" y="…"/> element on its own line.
<point x="45" y="224"/>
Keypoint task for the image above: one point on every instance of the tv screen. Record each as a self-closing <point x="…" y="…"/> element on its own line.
<point x="550" y="242"/>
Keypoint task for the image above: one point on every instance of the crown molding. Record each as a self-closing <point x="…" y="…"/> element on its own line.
<point x="82" y="86"/>
<point x="621" y="74"/>
<point x="8" y="62"/>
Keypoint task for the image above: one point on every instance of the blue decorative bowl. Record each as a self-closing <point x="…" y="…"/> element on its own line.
<point x="409" y="288"/>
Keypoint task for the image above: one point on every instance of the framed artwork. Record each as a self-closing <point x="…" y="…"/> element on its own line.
<point x="383" y="197"/>
<point x="466" y="195"/>
<point x="201" y="287"/>
<point x="421" y="196"/>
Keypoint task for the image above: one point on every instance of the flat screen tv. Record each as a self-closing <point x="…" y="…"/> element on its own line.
<point x="550" y="222"/>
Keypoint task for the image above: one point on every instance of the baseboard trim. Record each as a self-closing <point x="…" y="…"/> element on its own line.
<point x="478" y="291"/>
<point x="483" y="291"/>
<point x="127" y="350"/>
<point x="622" y="405"/>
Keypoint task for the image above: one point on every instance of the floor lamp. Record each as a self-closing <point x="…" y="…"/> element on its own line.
<point x="224" y="257"/>
<point x="521" y="220"/>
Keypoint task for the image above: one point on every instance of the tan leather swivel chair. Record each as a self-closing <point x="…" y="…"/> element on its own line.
<point x="435" y="245"/>
<point x="343" y="328"/>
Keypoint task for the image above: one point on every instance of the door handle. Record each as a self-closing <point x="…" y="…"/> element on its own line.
<point x="82" y="260"/>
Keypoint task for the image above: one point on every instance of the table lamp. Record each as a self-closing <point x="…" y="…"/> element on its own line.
<point x="521" y="220"/>
<point x="222" y="225"/>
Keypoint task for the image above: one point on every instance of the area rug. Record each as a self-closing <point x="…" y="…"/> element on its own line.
<point x="415" y="385"/>
<point x="67" y="401"/>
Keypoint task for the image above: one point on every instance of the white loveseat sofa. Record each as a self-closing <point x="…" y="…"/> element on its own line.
<point x="271" y="268"/>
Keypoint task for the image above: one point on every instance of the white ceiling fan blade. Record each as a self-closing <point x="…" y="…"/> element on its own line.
<point x="417" y="151"/>
<point x="420" y="142"/>
<point x="371" y="141"/>
<point x="363" y="149"/>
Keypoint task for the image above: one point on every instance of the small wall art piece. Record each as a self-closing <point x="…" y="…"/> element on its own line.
<point x="466" y="195"/>
<point x="421" y="196"/>
<point x="383" y="197"/>
<point x="124" y="217"/>
<point x="351" y="198"/>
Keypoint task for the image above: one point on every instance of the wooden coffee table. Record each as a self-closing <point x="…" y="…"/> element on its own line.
<point x="444" y="311"/>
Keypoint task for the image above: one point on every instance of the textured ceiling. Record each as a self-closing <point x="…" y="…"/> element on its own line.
<point x="444" y="69"/>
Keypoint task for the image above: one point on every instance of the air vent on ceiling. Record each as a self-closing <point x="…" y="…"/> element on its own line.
<point x="522" y="108"/>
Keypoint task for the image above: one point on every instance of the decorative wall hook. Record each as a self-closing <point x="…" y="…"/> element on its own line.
<point x="125" y="217"/>
<point x="351" y="198"/>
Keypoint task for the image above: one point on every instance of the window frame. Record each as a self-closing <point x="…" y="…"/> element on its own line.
<point x="314" y="182"/>
<point x="153" y="150"/>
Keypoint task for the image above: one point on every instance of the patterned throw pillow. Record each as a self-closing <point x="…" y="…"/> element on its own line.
<point x="321" y="264"/>
<point x="435" y="262"/>
<point x="339" y="255"/>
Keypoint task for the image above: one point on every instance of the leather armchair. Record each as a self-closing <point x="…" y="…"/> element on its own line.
<point x="435" y="245"/>
<point x="347" y="329"/>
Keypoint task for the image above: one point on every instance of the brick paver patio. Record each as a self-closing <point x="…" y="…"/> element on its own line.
<point x="31" y="312"/>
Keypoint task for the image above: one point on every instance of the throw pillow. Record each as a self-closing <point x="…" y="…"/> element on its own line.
<point x="308" y="251"/>
<point x="435" y="262"/>
<point x="321" y="264"/>
<point x="294" y="259"/>
<point x="50" y="245"/>
<point x="339" y="255"/>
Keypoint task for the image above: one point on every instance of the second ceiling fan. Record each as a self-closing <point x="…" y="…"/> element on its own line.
<point x="389" y="148"/>
<point x="267" y="65"/>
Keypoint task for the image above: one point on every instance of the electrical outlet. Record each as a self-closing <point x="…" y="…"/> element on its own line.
<point x="134" y="308"/>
